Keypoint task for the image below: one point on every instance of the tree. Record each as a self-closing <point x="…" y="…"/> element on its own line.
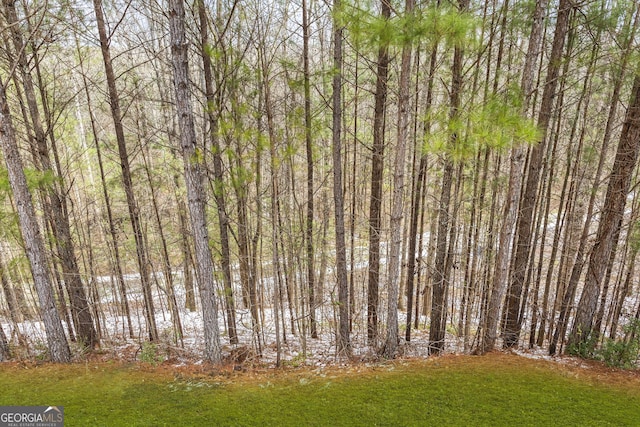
<point x="377" y="169"/>
<point x="393" y="278"/>
<point x="5" y="354"/>
<point x="529" y="196"/>
<point x="219" y="193"/>
<point x="512" y="200"/>
<point x="610" y="220"/>
<point x="344" y="339"/>
<point x="309" y="149"/>
<point x="192" y="156"/>
<point x="134" y="212"/>
<point x="417" y="203"/>
<point x="437" y="328"/>
<point x="56" y="340"/>
<point x="578" y="264"/>
<point x="56" y="210"/>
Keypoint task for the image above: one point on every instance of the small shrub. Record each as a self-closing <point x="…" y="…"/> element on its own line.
<point x="41" y="351"/>
<point x="297" y="361"/>
<point x="623" y="353"/>
<point x="149" y="353"/>
<point x="585" y="349"/>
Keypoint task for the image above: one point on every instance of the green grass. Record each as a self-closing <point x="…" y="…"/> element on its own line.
<point x="493" y="390"/>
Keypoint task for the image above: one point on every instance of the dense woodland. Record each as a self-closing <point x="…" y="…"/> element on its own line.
<point x="351" y="172"/>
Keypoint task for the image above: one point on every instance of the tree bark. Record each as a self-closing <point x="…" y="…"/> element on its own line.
<point x="610" y="220"/>
<point x="134" y="212"/>
<point x="309" y="149"/>
<point x="187" y="259"/>
<point x="5" y="353"/>
<point x="527" y="205"/>
<point x="437" y="327"/>
<point x="344" y="339"/>
<point x="417" y="207"/>
<point x="193" y="174"/>
<point x="117" y="265"/>
<point x="218" y="193"/>
<point x="377" y="169"/>
<point x="579" y="262"/>
<point x="54" y="202"/>
<point x="9" y="295"/>
<point x="393" y="278"/>
<point x="167" y="271"/>
<point x="56" y="340"/>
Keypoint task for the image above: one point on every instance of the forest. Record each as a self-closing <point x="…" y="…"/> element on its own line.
<point x="283" y="180"/>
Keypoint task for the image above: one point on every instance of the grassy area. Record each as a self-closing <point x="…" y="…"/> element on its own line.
<point x="453" y="390"/>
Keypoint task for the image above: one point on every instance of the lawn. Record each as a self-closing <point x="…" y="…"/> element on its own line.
<point x="496" y="389"/>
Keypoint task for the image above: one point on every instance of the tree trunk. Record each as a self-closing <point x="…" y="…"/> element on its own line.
<point x="134" y="213"/>
<point x="393" y="276"/>
<point x="624" y="292"/>
<point x="437" y="328"/>
<point x="193" y="174"/>
<point x="107" y="201"/>
<point x="185" y="246"/>
<point x="344" y="341"/>
<point x="528" y="202"/>
<point x="414" y="250"/>
<point x="167" y="271"/>
<point x="219" y="192"/>
<point x="56" y="340"/>
<point x="377" y="167"/>
<point x="5" y="354"/>
<point x="574" y="205"/>
<point x="9" y="295"/>
<point x="610" y="220"/>
<point x="309" y="149"/>
<point x="54" y="199"/>
<point x="578" y="265"/>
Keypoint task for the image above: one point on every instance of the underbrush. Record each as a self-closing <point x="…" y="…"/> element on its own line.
<point x="622" y="353"/>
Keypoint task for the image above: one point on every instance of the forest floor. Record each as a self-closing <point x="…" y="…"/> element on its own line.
<point x="496" y="389"/>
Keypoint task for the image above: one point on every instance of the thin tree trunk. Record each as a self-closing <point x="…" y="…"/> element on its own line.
<point x="354" y="198"/>
<point x="548" y="174"/>
<point x="597" y="326"/>
<point x="417" y="210"/>
<point x="193" y="174"/>
<point x="344" y="340"/>
<point x="166" y="262"/>
<point x="219" y="192"/>
<point x="377" y="165"/>
<point x="247" y="276"/>
<point x="134" y="213"/>
<point x="309" y="149"/>
<point x="257" y="235"/>
<point x="624" y="292"/>
<point x="393" y="278"/>
<point x="578" y="265"/>
<point x="5" y="354"/>
<point x="9" y="295"/>
<point x="573" y="214"/>
<point x="437" y="327"/>
<point x="105" y="192"/>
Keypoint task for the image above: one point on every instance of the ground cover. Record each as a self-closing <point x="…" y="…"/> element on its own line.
<point x="497" y="389"/>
